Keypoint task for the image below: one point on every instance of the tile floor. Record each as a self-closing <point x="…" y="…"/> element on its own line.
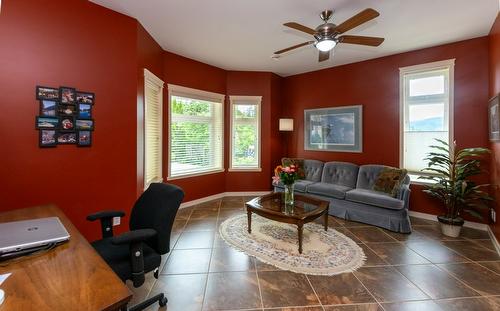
<point x="421" y="271"/>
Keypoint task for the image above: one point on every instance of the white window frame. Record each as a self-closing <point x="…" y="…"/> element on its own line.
<point x="253" y="100"/>
<point x="448" y="64"/>
<point x="177" y="90"/>
<point x="149" y="77"/>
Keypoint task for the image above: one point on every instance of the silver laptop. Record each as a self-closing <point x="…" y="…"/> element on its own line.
<point x="21" y="237"/>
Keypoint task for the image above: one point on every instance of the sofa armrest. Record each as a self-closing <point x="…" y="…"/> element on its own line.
<point x="404" y="194"/>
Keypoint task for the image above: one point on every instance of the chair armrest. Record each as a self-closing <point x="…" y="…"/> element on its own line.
<point x="135" y="239"/>
<point x="105" y="214"/>
<point x="133" y="236"/>
<point x="404" y="194"/>
<point x="106" y="218"/>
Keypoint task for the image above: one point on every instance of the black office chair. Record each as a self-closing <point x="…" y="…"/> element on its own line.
<point x="138" y="251"/>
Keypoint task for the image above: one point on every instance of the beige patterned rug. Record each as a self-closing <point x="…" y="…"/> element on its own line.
<point x="324" y="252"/>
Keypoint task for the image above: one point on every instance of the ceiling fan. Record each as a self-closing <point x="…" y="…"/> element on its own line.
<point x="327" y="34"/>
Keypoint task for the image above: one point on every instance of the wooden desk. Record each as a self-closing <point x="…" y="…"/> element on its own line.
<point x="71" y="276"/>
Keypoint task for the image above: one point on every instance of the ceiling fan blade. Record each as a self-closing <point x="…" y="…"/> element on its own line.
<point x="323" y="56"/>
<point x="356" y="20"/>
<point x="371" y="41"/>
<point x="300" y="27"/>
<point x="294" y="47"/>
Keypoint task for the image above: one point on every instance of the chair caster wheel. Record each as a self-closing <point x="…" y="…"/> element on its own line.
<point x="156" y="273"/>
<point x="163" y="301"/>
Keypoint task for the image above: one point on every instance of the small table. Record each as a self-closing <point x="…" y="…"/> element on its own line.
<point x="272" y="206"/>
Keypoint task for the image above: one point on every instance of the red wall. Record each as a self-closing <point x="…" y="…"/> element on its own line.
<point x="186" y="72"/>
<point x="78" y="44"/>
<point x="253" y="84"/>
<point x="494" y="90"/>
<point x="375" y="85"/>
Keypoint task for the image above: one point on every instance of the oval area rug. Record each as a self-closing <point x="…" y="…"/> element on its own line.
<point x="275" y="243"/>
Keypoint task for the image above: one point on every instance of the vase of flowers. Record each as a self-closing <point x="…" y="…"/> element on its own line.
<point x="286" y="175"/>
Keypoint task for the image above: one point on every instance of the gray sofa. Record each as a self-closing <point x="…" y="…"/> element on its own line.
<point x="348" y="187"/>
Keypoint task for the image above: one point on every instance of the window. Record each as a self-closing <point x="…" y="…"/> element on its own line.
<point x="426" y="111"/>
<point x="196" y="132"/>
<point x="153" y="101"/>
<point x="245" y="133"/>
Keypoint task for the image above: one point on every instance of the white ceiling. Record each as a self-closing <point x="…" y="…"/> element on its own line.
<point x="243" y="34"/>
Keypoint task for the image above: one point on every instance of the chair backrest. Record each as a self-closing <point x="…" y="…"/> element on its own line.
<point x="340" y="173"/>
<point x="156" y="209"/>
<point x="313" y="169"/>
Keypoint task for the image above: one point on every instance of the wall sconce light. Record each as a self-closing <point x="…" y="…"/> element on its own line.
<point x="286" y="125"/>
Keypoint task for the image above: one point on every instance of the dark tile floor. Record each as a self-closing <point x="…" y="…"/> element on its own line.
<point x="421" y="271"/>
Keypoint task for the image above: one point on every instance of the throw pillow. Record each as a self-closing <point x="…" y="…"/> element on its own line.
<point x="389" y="180"/>
<point x="299" y="163"/>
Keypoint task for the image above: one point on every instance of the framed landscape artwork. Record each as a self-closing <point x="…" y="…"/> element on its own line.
<point x="494" y="119"/>
<point x="334" y="129"/>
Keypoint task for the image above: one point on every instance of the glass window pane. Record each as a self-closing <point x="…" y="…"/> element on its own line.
<point x="245" y="111"/>
<point x="245" y="146"/>
<point x="190" y="107"/>
<point x="427" y="86"/>
<point x="416" y="147"/>
<point x="427" y="117"/>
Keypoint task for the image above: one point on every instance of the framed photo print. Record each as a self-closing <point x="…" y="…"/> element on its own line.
<point x="67" y="94"/>
<point x="84" y="125"/>
<point x="66" y="110"/>
<point x="334" y="129"/>
<point x="84" y="111"/>
<point x="494" y="119"/>
<point x="85" y="97"/>
<point x="67" y="124"/>
<point x="48" y="108"/>
<point x="84" y="138"/>
<point x="48" y="138"/>
<point x="47" y="123"/>
<point x="45" y="92"/>
<point x="66" y="138"/>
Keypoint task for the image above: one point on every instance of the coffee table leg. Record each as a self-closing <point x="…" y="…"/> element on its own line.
<point x="249" y="215"/>
<point x="299" y="227"/>
<point x="326" y="220"/>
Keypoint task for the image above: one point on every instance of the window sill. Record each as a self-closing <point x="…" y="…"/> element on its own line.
<point x="238" y="169"/>
<point x="423" y="182"/>
<point x="195" y="174"/>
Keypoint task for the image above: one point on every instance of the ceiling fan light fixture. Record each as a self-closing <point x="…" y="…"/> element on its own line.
<point x="325" y="45"/>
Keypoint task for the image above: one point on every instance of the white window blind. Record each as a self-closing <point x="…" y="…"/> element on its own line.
<point x="196" y="132"/>
<point x="245" y="133"/>
<point x="427" y="111"/>
<point x="153" y="101"/>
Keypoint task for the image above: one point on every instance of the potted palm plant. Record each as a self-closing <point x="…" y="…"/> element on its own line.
<point x="450" y="181"/>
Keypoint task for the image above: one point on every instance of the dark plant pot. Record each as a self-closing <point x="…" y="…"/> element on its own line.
<point x="451" y="226"/>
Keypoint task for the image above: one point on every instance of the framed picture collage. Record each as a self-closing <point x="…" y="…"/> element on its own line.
<point x="65" y="116"/>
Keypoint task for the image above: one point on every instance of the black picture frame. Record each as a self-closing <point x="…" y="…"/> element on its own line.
<point x="48" y="108"/>
<point x="46" y="92"/>
<point x="44" y="141"/>
<point x="67" y="138"/>
<point x="64" y="110"/>
<point x="85" y="97"/>
<point x="67" y="123"/>
<point x="84" y="138"/>
<point x="42" y="123"/>
<point x="83" y="112"/>
<point x="494" y="118"/>
<point x="67" y="95"/>
<point x="80" y="122"/>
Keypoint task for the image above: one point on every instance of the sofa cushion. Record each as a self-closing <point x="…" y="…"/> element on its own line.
<point x="313" y="170"/>
<point x="299" y="164"/>
<point x="300" y="185"/>
<point x="390" y="180"/>
<point x="340" y="173"/>
<point x="375" y="198"/>
<point x="367" y="176"/>
<point x="329" y="190"/>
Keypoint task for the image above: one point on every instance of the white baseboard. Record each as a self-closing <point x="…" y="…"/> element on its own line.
<point x="221" y="195"/>
<point x="469" y="224"/>
<point x="494" y="240"/>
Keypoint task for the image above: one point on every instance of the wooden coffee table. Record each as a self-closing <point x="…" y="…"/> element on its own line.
<point x="272" y="206"/>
